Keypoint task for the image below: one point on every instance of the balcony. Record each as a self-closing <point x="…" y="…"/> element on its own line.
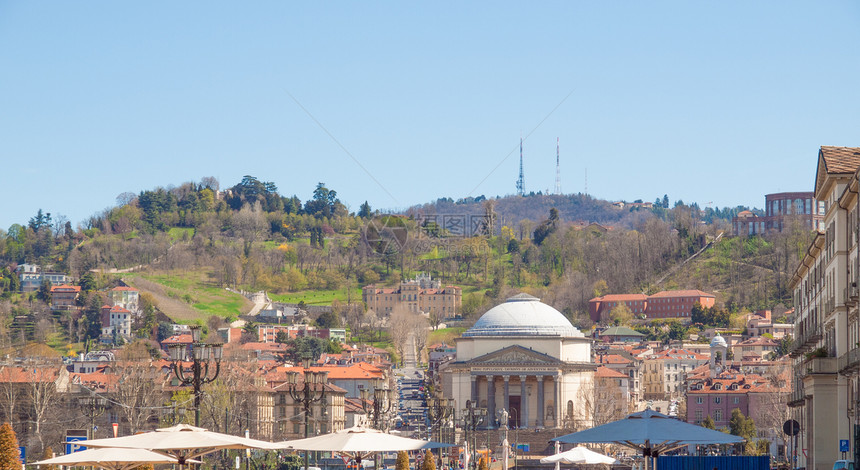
<point x="849" y="363"/>
<point x="806" y="340"/>
<point x="850" y="300"/>
<point x="819" y="365"/>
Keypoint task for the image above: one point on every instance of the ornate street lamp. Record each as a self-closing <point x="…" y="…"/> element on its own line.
<point x="439" y="410"/>
<point x="201" y="356"/>
<point x="377" y="403"/>
<point x="472" y="417"/>
<point x="312" y="391"/>
<point x="92" y="406"/>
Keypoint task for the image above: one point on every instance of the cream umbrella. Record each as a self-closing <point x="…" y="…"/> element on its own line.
<point x="114" y="458"/>
<point x="182" y="442"/>
<point x="579" y="455"/>
<point x="358" y="443"/>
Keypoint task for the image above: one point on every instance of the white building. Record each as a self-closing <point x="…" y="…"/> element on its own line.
<point x="525" y="357"/>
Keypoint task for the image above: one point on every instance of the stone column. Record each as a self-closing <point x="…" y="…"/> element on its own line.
<point x="541" y="410"/>
<point x="524" y="404"/>
<point x="474" y="393"/>
<point x="507" y="393"/>
<point x="491" y="400"/>
<point x="556" y="401"/>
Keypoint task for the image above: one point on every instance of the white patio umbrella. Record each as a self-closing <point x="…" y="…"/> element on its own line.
<point x="183" y="442"/>
<point x="114" y="458"/>
<point x="358" y="443"/>
<point x="579" y="455"/>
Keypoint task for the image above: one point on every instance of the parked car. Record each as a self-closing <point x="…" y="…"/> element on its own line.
<point x="843" y="465"/>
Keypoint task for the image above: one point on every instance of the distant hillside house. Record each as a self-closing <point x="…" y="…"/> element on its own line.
<point x="665" y="304"/>
<point x="422" y="294"/>
<point x="64" y="296"/>
<point x="779" y="208"/>
<point x="125" y="297"/>
<point x="32" y="276"/>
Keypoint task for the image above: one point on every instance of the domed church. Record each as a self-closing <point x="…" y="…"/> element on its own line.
<point x="527" y="358"/>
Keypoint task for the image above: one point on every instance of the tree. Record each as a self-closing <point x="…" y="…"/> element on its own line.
<point x="740" y="425"/>
<point x="9" y="454"/>
<point x="547" y="227"/>
<point x="402" y="462"/>
<point x="44" y="293"/>
<point x="708" y="422"/>
<point x="138" y="392"/>
<point x="364" y="211"/>
<point x="621" y="314"/>
<point x="429" y="462"/>
<point x="88" y="282"/>
<point x="328" y="319"/>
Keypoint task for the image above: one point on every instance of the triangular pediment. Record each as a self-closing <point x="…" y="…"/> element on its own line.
<point x="514" y="355"/>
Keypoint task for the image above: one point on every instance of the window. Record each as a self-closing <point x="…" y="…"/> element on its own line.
<point x="718" y="400"/>
<point x="736" y="400"/>
<point x="718" y="415"/>
<point x="699" y="400"/>
<point x="698" y="416"/>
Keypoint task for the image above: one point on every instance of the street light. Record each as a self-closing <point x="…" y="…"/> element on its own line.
<point x="312" y="391"/>
<point x="472" y="417"/>
<point x="439" y="410"/>
<point x="376" y="404"/>
<point x="92" y="406"/>
<point x="201" y="356"/>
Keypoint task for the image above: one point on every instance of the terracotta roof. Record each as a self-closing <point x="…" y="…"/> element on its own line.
<point x="274" y="347"/>
<point x="118" y="309"/>
<point x="621" y="297"/>
<point x="682" y="293"/>
<point x="184" y="338"/>
<point x="612" y="359"/>
<point x="66" y="288"/>
<point x="840" y="159"/>
<point x="676" y="353"/>
<point x="27" y="374"/>
<point x="124" y="288"/>
<point x="604" y="372"/>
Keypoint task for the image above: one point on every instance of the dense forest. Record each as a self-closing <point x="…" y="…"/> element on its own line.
<point x="563" y="249"/>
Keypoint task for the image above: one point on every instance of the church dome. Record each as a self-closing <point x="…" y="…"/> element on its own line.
<point x="523" y="315"/>
<point x="718" y="342"/>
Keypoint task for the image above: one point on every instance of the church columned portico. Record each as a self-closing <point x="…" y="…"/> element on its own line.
<point x="525" y="357"/>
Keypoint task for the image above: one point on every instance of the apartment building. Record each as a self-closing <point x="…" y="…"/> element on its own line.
<point x="826" y="355"/>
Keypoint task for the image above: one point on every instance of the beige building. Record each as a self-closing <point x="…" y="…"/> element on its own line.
<point x="826" y="356"/>
<point x="525" y="357"/>
<point x="422" y="294"/>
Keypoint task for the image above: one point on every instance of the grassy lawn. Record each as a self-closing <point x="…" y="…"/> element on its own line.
<point x="317" y="297"/>
<point x="193" y="288"/>
<point x="444" y="335"/>
<point x="176" y="233"/>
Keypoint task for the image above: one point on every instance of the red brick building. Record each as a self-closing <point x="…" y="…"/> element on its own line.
<point x="665" y="304"/>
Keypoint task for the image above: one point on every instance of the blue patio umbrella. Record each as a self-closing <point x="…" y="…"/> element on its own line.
<point x="651" y="432"/>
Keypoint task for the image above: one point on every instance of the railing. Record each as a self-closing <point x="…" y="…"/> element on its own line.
<point x="819" y="365"/>
<point x="849" y="362"/>
<point x="796" y="398"/>
<point x="806" y="340"/>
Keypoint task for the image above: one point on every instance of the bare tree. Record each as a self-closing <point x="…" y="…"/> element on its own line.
<point x="399" y="328"/>
<point x="46" y="383"/>
<point x="139" y="392"/>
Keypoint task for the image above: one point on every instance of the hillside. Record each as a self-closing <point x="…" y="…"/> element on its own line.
<point x="190" y="248"/>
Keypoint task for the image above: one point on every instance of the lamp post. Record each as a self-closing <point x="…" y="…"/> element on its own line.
<point x="92" y="407"/>
<point x="472" y="417"/>
<point x="201" y="356"/>
<point x="312" y="391"/>
<point x="439" y="411"/>
<point x="376" y="404"/>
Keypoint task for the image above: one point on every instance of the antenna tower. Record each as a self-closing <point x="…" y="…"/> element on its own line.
<point x="521" y="180"/>
<point x="557" y="169"/>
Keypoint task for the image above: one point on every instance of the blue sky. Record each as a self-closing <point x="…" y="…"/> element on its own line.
<point x="717" y="102"/>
